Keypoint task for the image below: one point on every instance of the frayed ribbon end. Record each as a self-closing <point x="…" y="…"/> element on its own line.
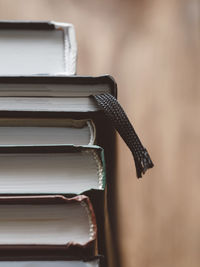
<point x="143" y="163"/>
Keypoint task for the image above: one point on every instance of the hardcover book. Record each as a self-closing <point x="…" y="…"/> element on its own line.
<point x="47" y="225"/>
<point x="51" y="262"/>
<point x="58" y="169"/>
<point x="43" y="131"/>
<point x="37" y="47"/>
<point x="53" y="94"/>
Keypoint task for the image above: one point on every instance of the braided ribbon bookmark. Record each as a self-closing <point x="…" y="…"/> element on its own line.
<point x="115" y="113"/>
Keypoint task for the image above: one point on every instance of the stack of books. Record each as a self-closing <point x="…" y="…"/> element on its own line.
<point x="57" y="149"/>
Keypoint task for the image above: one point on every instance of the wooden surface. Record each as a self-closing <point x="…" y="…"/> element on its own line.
<point x="152" y="49"/>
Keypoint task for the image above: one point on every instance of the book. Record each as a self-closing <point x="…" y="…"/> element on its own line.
<point x="50" y="263"/>
<point x="58" y="169"/>
<point x="47" y="225"/>
<point x="53" y="94"/>
<point x="30" y="131"/>
<point x="37" y="47"/>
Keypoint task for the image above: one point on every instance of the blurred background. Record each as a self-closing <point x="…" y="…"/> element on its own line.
<point x="152" y="50"/>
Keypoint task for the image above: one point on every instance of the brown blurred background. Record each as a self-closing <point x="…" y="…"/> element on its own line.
<point x="152" y="50"/>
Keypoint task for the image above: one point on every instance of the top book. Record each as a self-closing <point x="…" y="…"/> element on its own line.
<point x="37" y="47"/>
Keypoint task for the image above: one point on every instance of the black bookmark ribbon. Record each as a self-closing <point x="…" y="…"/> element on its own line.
<point x="115" y="113"/>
